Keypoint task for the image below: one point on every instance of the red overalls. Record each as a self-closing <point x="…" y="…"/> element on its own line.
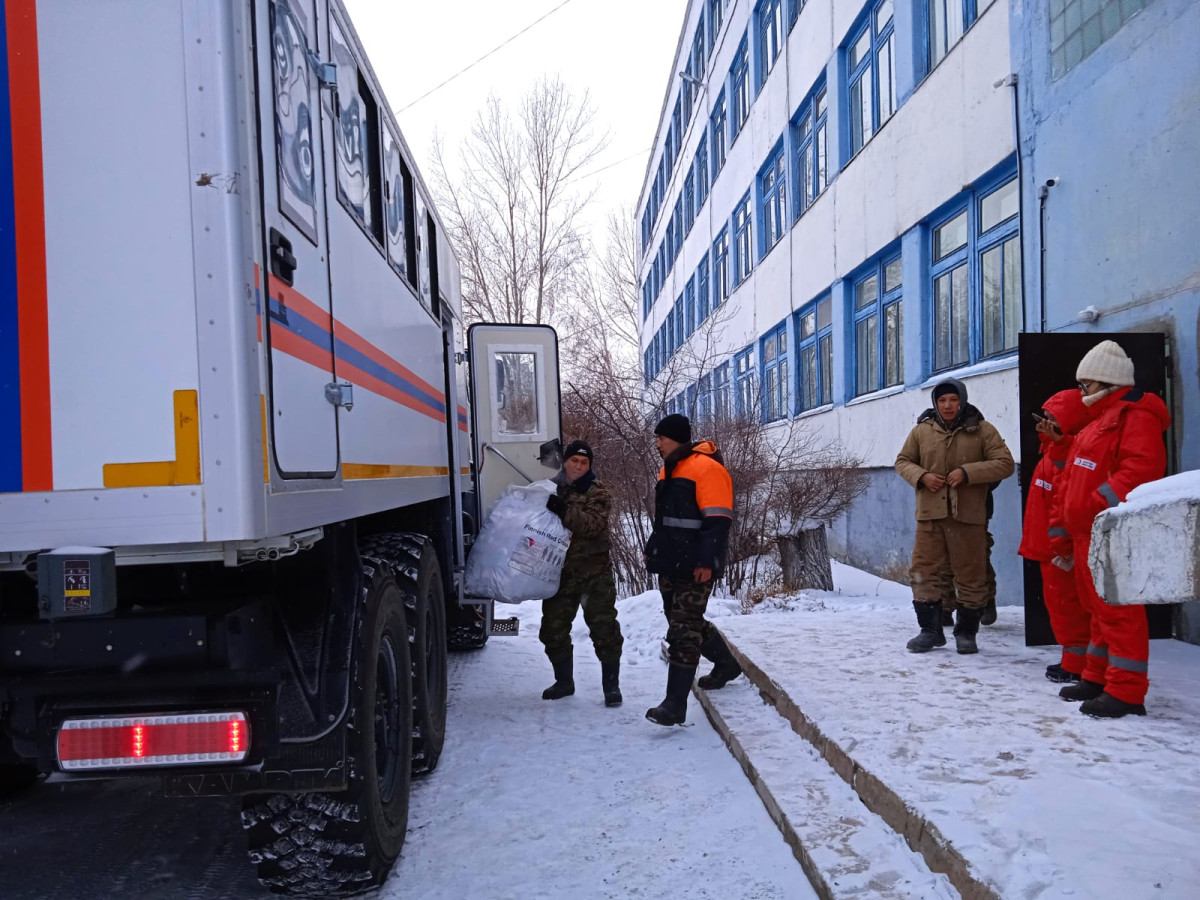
<point x="1121" y="448"/>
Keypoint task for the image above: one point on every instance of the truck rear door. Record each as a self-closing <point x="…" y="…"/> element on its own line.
<point x="515" y="405"/>
<point x="295" y="314"/>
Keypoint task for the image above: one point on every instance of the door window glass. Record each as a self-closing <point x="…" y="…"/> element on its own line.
<point x="516" y="395"/>
<point x="294" y="160"/>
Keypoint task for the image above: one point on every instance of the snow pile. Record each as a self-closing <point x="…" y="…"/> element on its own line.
<point x="1145" y="550"/>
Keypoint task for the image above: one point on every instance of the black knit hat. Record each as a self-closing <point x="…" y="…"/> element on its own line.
<point x="675" y="427"/>
<point x="578" y="448"/>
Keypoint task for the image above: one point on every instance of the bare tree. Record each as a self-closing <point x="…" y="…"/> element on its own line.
<point x="510" y="208"/>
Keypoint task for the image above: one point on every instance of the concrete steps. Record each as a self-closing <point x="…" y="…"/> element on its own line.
<point x="846" y="848"/>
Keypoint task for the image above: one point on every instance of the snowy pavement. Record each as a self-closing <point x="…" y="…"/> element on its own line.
<point x="1039" y="800"/>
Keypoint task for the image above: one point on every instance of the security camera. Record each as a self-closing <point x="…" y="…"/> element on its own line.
<point x="1051" y="182"/>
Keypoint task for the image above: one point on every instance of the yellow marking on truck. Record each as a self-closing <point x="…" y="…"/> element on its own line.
<point x="184" y="469"/>
<point x="358" y="471"/>
<point x="77" y="593"/>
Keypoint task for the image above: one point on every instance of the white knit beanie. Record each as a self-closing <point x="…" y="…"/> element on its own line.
<point x="1106" y="363"/>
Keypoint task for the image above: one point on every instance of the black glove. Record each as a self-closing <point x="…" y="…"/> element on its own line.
<point x="556" y="505"/>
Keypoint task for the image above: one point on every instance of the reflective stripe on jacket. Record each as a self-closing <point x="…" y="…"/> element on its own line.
<point x="693" y="509"/>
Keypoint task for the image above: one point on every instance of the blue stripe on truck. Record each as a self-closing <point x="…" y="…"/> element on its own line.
<point x="10" y="355"/>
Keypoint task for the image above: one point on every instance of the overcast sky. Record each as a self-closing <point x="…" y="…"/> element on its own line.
<point x="620" y="51"/>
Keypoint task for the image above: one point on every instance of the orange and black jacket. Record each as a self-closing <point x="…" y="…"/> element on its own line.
<point x="693" y="509"/>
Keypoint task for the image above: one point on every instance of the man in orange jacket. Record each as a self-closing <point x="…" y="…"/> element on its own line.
<point x="1121" y="449"/>
<point x="693" y="510"/>
<point x="1063" y="415"/>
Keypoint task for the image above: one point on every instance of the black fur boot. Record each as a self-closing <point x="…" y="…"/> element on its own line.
<point x="673" y="709"/>
<point x="610" y="677"/>
<point x="564" y="677"/>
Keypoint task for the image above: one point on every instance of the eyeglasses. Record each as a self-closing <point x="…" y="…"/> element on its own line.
<point x="1084" y="386"/>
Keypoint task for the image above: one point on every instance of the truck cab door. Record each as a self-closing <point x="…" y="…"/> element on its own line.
<point x="296" y="321"/>
<point x="515" y="405"/>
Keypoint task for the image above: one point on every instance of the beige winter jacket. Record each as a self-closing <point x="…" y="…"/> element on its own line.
<point x="973" y="445"/>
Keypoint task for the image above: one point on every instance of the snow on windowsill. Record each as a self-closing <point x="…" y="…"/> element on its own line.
<point x="983" y="368"/>
<point x="877" y="395"/>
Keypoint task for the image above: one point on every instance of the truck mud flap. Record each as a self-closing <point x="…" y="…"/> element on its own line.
<point x="297" y="768"/>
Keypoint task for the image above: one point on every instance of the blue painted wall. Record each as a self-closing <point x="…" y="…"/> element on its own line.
<point x="1120" y="132"/>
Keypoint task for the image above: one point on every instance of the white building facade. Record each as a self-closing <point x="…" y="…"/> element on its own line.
<point x="835" y="182"/>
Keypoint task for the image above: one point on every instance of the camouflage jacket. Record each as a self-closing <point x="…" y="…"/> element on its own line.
<point x="586" y="515"/>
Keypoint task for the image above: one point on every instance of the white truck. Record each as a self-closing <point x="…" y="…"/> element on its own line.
<point x="242" y="430"/>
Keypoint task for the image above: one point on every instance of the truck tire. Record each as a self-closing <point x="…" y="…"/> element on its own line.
<point x="15" y="778"/>
<point x="324" y="845"/>
<point x="468" y="628"/>
<point x="415" y="566"/>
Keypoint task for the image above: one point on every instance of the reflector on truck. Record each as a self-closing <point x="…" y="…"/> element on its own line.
<point x="162" y="740"/>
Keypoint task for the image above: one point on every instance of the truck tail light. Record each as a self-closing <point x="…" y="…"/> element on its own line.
<point x="165" y="740"/>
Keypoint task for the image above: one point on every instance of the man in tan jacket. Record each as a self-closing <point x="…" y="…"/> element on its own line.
<point x="950" y="458"/>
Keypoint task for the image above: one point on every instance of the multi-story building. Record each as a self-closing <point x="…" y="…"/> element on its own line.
<point x="1109" y="115"/>
<point x="835" y="182"/>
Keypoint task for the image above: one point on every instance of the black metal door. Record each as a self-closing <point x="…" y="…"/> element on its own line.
<point x="1048" y="363"/>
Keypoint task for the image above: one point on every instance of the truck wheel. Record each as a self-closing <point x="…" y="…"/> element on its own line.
<point x="468" y="628"/>
<point x="415" y="565"/>
<point x="322" y="845"/>
<point x="15" y="777"/>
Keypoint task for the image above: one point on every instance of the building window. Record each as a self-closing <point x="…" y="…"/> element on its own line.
<point x="775" y="374"/>
<point x="701" y="167"/>
<point x="1078" y="27"/>
<point x="722" y="408"/>
<point x="878" y="328"/>
<point x="948" y="19"/>
<point x="702" y="290"/>
<point x="743" y="374"/>
<point x="742" y="237"/>
<point x="977" y="279"/>
<point x="689" y="200"/>
<point x="680" y="332"/>
<point x="689" y="306"/>
<point x="716" y="11"/>
<point x="704" y="399"/>
<point x="814" y="329"/>
<point x="809" y="130"/>
<point x="720" y="268"/>
<point x="871" y="75"/>
<point x="771" y="34"/>
<point x="677" y="220"/>
<point x="772" y="199"/>
<point x="739" y="90"/>
<point x="719" y="134"/>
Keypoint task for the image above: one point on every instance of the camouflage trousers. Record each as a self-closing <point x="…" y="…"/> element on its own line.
<point x="597" y="594"/>
<point x="950" y="597"/>
<point x="684" y="603"/>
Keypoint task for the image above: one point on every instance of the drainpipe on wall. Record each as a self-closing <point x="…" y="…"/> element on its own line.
<point x="1010" y="81"/>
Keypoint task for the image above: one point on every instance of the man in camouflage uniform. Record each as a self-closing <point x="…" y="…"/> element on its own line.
<point x="693" y="510"/>
<point x="583" y="504"/>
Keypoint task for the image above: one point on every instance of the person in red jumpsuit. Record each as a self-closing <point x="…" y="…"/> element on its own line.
<point x="1121" y="448"/>
<point x="1063" y="415"/>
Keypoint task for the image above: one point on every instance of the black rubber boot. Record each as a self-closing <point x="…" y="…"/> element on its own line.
<point x="929" y="617"/>
<point x="1081" y="690"/>
<point x="725" y="667"/>
<point x="1106" y="706"/>
<point x="610" y="677"/>
<point x="947" y="618"/>
<point x="564" y="677"/>
<point x="673" y="709"/>
<point x="1059" y="675"/>
<point x="966" y="629"/>
<point x="988" y="616"/>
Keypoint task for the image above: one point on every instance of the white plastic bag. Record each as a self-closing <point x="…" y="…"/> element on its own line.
<point x="520" y="550"/>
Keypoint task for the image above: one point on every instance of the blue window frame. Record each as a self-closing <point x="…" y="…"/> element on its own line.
<point x="667" y="244"/>
<point x="719" y="129"/>
<point x="716" y="12"/>
<point x="768" y="18"/>
<point x="702" y="298"/>
<point x="720" y="268"/>
<point x="949" y="19"/>
<point x="739" y="90"/>
<point x="647" y="296"/>
<point x="689" y="199"/>
<point x="669" y="336"/>
<point x="704" y="399"/>
<point x="878" y="326"/>
<point x="689" y="306"/>
<point x="814" y="342"/>
<point x="772" y="200"/>
<point x="680" y="332"/>
<point x="810" y="127"/>
<point x="722" y="406"/>
<point x="773" y="353"/>
<point x="676" y="129"/>
<point x="976" y="277"/>
<point x="742" y="240"/>
<point x="677" y="219"/>
<point x="743" y="374"/>
<point x="871" y="74"/>
<point x="701" y="166"/>
<point x="646" y="229"/>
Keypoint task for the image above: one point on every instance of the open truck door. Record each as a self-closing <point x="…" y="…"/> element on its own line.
<point x="516" y="422"/>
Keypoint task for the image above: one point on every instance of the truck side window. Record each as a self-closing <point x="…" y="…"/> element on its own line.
<point x="396" y="204"/>
<point x="516" y="402"/>
<point x="356" y="140"/>
<point x="293" y="116"/>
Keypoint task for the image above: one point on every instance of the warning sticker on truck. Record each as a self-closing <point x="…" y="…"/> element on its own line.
<point x="77" y="585"/>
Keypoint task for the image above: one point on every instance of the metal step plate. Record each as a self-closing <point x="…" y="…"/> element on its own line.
<point x="506" y="627"/>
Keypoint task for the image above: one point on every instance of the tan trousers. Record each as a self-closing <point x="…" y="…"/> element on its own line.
<point x="942" y="543"/>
